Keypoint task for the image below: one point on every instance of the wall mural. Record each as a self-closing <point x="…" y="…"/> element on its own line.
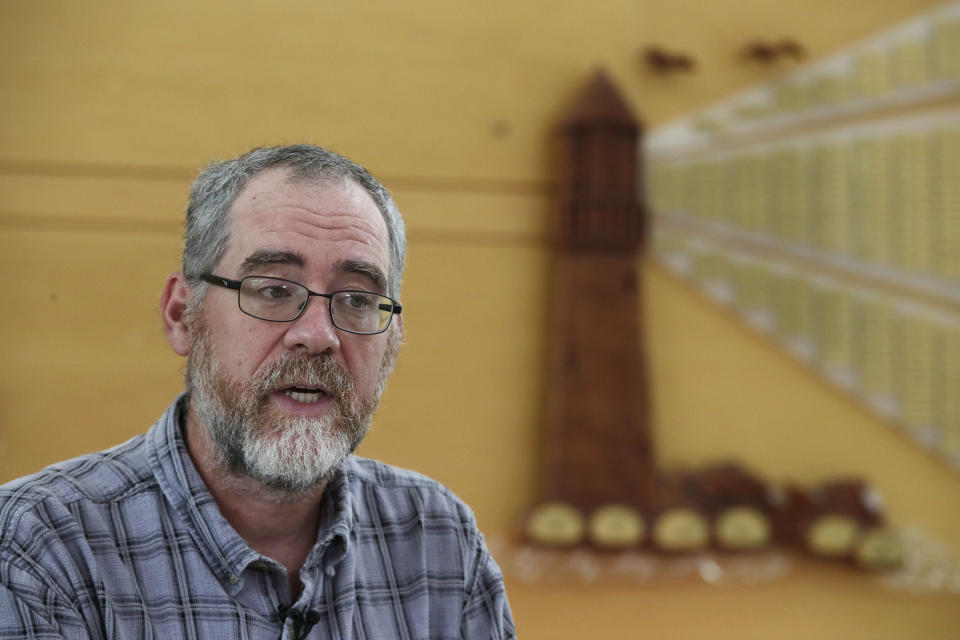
<point x="602" y="489"/>
<point x="823" y="219"/>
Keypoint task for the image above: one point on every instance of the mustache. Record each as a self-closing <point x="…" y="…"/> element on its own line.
<point x="297" y="369"/>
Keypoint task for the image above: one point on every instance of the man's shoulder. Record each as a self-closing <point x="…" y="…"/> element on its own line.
<point x="388" y="491"/>
<point x="386" y="475"/>
<point x="103" y="477"/>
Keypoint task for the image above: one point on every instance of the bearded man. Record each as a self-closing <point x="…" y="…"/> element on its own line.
<point x="242" y="512"/>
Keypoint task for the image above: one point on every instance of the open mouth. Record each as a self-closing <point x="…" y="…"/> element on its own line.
<point x="306" y="395"/>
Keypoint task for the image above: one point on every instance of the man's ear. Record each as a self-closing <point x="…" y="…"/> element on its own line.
<point x="173" y="304"/>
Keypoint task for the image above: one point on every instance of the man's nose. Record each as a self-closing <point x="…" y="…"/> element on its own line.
<point x="313" y="332"/>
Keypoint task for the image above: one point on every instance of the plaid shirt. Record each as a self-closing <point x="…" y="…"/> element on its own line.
<point x="128" y="543"/>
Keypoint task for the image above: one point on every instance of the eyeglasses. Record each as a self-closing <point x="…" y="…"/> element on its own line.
<point x="279" y="300"/>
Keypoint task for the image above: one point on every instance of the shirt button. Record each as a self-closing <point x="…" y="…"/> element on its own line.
<point x="233" y="579"/>
<point x="331" y="571"/>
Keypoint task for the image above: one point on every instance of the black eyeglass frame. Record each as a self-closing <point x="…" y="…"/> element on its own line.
<point x="394" y="307"/>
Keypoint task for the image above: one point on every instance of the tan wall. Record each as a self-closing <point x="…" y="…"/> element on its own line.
<point x="107" y="109"/>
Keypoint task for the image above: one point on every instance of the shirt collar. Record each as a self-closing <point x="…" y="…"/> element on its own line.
<point x="224" y="550"/>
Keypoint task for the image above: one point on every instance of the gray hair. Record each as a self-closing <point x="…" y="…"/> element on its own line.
<point x="219" y="183"/>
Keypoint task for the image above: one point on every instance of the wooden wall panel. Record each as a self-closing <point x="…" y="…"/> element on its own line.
<point x="86" y="362"/>
<point x="435" y="88"/>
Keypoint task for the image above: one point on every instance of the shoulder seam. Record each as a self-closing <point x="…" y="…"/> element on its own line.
<point x="12" y="552"/>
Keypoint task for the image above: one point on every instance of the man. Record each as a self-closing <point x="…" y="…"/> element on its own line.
<point x="241" y="513"/>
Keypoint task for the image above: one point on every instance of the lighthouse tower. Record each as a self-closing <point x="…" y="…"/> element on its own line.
<point x="597" y="442"/>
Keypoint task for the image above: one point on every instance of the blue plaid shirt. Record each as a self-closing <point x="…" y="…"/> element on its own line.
<point x="128" y="543"/>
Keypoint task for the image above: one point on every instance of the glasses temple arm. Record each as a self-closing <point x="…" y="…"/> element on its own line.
<point x="221" y="281"/>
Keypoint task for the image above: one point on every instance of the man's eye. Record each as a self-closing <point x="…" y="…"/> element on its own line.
<point x="273" y="292"/>
<point x="357" y="301"/>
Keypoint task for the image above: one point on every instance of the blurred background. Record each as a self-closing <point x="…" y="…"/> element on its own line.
<point x="817" y="342"/>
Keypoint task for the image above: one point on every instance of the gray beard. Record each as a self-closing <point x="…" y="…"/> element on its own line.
<point x="291" y="455"/>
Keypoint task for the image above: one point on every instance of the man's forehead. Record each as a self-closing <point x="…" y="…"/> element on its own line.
<point x="275" y="204"/>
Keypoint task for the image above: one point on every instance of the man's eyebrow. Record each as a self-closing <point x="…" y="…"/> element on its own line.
<point x="263" y="257"/>
<point x="367" y="269"/>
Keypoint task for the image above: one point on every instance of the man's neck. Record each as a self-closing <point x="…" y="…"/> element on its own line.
<point x="275" y="525"/>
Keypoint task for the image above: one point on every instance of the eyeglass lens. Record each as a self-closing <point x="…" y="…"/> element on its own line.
<point x="282" y="300"/>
